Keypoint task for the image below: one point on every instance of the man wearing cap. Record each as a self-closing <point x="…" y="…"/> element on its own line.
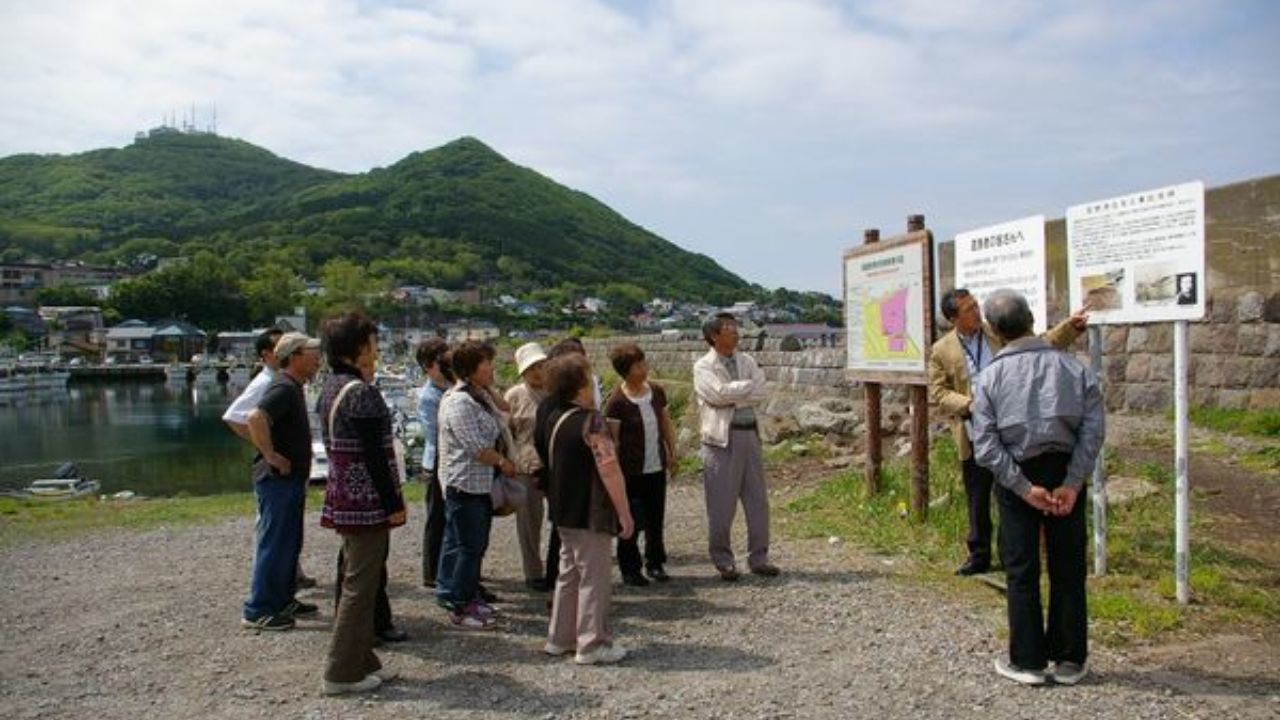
<point x="729" y="384"/>
<point x="280" y="430"/>
<point x="237" y="415"/>
<point x="524" y="399"/>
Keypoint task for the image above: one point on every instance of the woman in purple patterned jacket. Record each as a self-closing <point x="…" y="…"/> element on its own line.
<point x="362" y="499"/>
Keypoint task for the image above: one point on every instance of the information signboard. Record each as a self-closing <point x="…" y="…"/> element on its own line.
<point x="886" y="304"/>
<point x="1008" y="255"/>
<point x="1139" y="258"/>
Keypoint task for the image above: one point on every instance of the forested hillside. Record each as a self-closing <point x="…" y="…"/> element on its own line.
<point x="456" y="216"/>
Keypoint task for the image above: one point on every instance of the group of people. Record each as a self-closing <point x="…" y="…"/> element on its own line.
<point x="590" y="471"/>
<point x="551" y="448"/>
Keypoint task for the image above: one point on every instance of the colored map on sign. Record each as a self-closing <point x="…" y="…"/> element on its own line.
<point x="884" y="328"/>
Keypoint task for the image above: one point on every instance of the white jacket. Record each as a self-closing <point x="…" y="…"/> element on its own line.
<point x="718" y="394"/>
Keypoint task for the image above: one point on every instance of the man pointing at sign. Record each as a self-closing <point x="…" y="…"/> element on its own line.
<point x="954" y="364"/>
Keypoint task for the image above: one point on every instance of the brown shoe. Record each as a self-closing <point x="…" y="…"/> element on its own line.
<point x="766" y="570"/>
<point x="728" y="574"/>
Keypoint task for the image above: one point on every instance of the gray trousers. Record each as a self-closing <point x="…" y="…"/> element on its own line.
<point x="729" y="474"/>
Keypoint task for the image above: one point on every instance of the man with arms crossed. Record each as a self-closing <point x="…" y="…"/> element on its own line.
<point x="729" y="385"/>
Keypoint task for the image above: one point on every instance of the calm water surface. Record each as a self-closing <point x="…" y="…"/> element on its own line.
<point x="153" y="438"/>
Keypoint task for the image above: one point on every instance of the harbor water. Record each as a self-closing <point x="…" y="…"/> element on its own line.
<point x="152" y="437"/>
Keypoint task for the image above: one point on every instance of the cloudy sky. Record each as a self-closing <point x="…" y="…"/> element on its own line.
<point x="766" y="134"/>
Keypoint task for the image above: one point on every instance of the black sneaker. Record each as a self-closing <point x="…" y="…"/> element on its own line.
<point x="658" y="574"/>
<point x="297" y="608"/>
<point x="268" y="623"/>
<point x="635" y="580"/>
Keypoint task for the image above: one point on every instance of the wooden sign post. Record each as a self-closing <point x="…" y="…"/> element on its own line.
<point x="888" y="315"/>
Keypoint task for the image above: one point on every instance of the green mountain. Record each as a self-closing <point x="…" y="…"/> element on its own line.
<point x="455" y="216"/>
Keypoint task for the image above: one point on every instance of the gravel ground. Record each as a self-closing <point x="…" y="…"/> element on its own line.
<point x="145" y="625"/>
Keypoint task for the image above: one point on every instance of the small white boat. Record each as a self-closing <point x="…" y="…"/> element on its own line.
<point x="63" y="488"/>
<point x="67" y="483"/>
<point x="319" y="464"/>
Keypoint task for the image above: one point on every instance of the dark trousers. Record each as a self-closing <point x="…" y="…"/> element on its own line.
<point x="468" y="517"/>
<point x="1031" y="645"/>
<point x="432" y="528"/>
<point x="553" y="556"/>
<point x="647" y="496"/>
<point x="382" y="604"/>
<point x="351" y="655"/>
<point x="978" y="482"/>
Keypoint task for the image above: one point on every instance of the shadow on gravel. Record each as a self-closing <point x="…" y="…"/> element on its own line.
<point x="692" y="657"/>
<point x="1188" y="681"/>
<point x="486" y="691"/>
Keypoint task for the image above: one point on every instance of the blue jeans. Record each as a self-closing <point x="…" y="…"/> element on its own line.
<point x="467" y="518"/>
<point x="275" y="561"/>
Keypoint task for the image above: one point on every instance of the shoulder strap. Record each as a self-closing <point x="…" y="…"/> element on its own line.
<point x="551" y="444"/>
<point x="333" y="409"/>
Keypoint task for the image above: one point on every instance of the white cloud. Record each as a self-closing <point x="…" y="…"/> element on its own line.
<point x="743" y="130"/>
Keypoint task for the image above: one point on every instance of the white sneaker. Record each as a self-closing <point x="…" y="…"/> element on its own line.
<point x="555" y="650"/>
<point x="386" y="675"/>
<point x="1027" y="677"/>
<point x="368" y="684"/>
<point x="601" y="655"/>
<point x="1069" y="673"/>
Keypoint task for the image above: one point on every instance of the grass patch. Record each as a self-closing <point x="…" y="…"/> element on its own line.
<point x="882" y="522"/>
<point x="1258" y="423"/>
<point x="24" y="520"/>
<point x="1134" y="602"/>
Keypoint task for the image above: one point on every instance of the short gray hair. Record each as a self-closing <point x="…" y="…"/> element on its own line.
<point x="1008" y="313"/>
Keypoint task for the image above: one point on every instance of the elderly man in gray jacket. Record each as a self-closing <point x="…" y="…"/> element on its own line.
<point x="1038" y="425"/>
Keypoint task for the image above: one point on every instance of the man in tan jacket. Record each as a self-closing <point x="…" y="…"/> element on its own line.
<point x="955" y="360"/>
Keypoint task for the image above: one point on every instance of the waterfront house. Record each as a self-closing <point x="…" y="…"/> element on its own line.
<point x="129" y="340"/>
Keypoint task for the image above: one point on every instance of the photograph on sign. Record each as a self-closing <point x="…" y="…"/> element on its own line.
<point x="1139" y="257"/>
<point x="1007" y="255"/>
<point x="885" y="315"/>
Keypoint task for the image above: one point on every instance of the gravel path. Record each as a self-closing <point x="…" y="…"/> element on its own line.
<point x="145" y="625"/>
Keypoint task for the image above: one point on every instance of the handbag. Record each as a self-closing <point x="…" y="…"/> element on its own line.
<point x="507" y="494"/>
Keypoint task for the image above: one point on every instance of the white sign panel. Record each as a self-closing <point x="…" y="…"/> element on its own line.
<point x="884" y="309"/>
<point x="1008" y="255"/>
<point x="1140" y="257"/>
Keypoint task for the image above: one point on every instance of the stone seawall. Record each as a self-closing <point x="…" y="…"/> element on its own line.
<point x="1235" y="361"/>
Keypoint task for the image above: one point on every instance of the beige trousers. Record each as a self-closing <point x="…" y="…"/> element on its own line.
<point x="351" y="655"/>
<point x="580" y="609"/>
<point x="529" y="529"/>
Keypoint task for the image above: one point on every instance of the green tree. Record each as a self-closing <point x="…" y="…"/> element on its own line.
<point x="66" y="295"/>
<point x="347" y="286"/>
<point x="202" y="291"/>
<point x="271" y="291"/>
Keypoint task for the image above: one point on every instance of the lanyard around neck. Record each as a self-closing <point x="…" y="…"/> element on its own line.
<point x="977" y="361"/>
